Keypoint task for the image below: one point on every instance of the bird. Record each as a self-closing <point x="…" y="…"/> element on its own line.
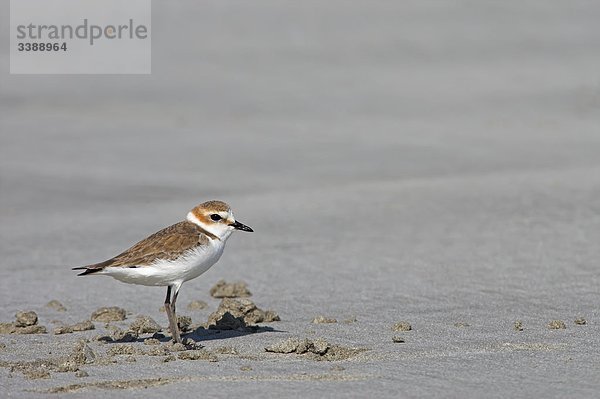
<point x="174" y="255"/>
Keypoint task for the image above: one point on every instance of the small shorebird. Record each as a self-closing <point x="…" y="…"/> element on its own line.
<point x="175" y="254"/>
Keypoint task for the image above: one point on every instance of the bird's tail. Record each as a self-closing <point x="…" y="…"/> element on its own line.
<point x="90" y="269"/>
<point x="86" y="270"/>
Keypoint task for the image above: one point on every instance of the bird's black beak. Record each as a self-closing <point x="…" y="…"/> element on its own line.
<point x="240" y="226"/>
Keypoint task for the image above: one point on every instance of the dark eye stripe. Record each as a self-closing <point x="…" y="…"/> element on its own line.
<point x="215" y="217"/>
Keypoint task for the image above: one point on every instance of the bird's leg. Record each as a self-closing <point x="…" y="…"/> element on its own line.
<point x="173" y="300"/>
<point x="170" y="309"/>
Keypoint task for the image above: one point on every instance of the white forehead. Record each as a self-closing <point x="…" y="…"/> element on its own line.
<point x="217" y="211"/>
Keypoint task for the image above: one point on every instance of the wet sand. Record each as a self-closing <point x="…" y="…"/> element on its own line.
<point x="435" y="165"/>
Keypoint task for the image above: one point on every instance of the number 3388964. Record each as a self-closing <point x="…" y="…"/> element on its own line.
<point x="42" y="46"/>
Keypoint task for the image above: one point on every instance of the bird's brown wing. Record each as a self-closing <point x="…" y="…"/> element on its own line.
<point x="168" y="244"/>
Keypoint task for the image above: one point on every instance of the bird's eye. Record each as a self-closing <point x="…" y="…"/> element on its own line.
<point x="215" y="217"/>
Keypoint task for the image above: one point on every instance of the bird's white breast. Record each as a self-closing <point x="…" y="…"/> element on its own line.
<point x="190" y="265"/>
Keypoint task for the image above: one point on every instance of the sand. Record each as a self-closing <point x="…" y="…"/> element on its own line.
<point x="429" y="162"/>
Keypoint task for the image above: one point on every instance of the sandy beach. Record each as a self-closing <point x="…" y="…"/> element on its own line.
<point x="423" y="179"/>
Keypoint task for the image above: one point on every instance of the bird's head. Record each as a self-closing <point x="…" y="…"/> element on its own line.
<point x="216" y="218"/>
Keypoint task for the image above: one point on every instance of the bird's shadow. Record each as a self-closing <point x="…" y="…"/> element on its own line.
<point x="206" y="334"/>
<point x="202" y="334"/>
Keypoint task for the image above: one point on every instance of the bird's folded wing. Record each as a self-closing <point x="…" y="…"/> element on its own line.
<point x="166" y="244"/>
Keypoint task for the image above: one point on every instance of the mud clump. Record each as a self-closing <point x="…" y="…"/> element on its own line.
<point x="25" y="323"/>
<point x="33" y="369"/>
<point x="222" y="289"/>
<point x="239" y="313"/>
<point x="319" y="346"/>
<point x="401" y="326"/>
<point x="81" y="374"/>
<point x="151" y="341"/>
<point x="145" y="325"/>
<point x="108" y="314"/>
<point x="67" y="366"/>
<point x="123" y="349"/>
<point x="200" y="354"/>
<point x="158" y="351"/>
<point x="196" y="305"/>
<point x="461" y="324"/>
<point x="580" y="321"/>
<point x="176" y="347"/>
<point x="336" y="352"/>
<point x="112" y="385"/>
<point x="85" y="325"/>
<point x="36" y="374"/>
<point x="56" y="305"/>
<point x="518" y="325"/>
<point x="557" y="325"/>
<point x="7" y="328"/>
<point x="31" y="330"/>
<point x="25" y="319"/>
<point x="187" y="344"/>
<point x="63" y="330"/>
<point x="191" y="344"/>
<point x="41" y="368"/>
<point x="184" y="323"/>
<point x="323" y="320"/>
<point x="287" y="346"/>
<point x="225" y="321"/>
<point x="168" y="348"/>
<point x="398" y="340"/>
<point x="318" y="349"/>
<point x="118" y="335"/>
<point x="271" y="316"/>
<point x="82" y="353"/>
<point x="227" y="350"/>
<point x="10" y="328"/>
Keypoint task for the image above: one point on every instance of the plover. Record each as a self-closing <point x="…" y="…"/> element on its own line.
<point x="175" y="254"/>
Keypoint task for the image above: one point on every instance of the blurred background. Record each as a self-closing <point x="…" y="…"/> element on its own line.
<point x="433" y="159"/>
